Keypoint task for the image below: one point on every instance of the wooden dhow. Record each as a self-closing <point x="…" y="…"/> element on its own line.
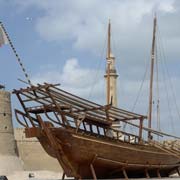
<point x="80" y="134"/>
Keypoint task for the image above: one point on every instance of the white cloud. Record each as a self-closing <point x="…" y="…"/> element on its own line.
<point x="88" y="83"/>
<point x="167" y="6"/>
<point x="74" y="78"/>
<point x="84" y="22"/>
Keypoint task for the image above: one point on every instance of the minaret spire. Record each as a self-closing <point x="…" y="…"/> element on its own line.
<point x="111" y="75"/>
<point x="108" y="62"/>
<point x="109" y="39"/>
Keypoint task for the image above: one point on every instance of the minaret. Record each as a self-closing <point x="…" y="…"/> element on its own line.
<point x="111" y="75"/>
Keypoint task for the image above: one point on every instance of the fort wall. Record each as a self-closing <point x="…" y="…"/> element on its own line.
<point x="9" y="161"/>
<point x="16" y="151"/>
<point x="33" y="155"/>
<point x="7" y="141"/>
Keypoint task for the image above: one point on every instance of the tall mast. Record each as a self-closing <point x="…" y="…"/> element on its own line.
<point x="109" y="40"/>
<point x="151" y="77"/>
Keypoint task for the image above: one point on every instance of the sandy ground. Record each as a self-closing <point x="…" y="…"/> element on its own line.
<point x="11" y="166"/>
<point x="38" y="175"/>
<point x="48" y="175"/>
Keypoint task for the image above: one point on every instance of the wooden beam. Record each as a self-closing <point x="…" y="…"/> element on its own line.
<point x="158" y="173"/>
<point x="66" y="164"/>
<point x="63" y="176"/>
<point x="93" y="172"/>
<point x="140" y="129"/>
<point x="178" y="171"/>
<point x="125" y="174"/>
<point x="137" y="165"/>
<point x="147" y="174"/>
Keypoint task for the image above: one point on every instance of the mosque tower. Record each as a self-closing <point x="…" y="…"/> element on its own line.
<point x="111" y="74"/>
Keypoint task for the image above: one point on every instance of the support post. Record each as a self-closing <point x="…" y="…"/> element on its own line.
<point x="158" y="173"/>
<point x="140" y="129"/>
<point x="147" y="174"/>
<point x="125" y="174"/>
<point x="63" y="176"/>
<point x="93" y="172"/>
<point x="178" y="171"/>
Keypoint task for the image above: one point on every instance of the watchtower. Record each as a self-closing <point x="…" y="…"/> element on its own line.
<point x="7" y="141"/>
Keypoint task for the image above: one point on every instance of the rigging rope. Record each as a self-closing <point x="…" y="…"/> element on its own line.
<point x="141" y="86"/>
<point x="164" y="71"/>
<point x="140" y="90"/>
<point x="97" y="72"/>
<point x="17" y="56"/>
<point x="171" y="84"/>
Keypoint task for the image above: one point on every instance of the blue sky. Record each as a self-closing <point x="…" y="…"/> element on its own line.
<point x="64" y="41"/>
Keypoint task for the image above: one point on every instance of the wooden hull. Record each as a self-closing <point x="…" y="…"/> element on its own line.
<point x="107" y="157"/>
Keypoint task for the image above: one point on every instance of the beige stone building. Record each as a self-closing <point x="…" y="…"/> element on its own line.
<point x="32" y="154"/>
<point x="18" y="153"/>
<point x="7" y="142"/>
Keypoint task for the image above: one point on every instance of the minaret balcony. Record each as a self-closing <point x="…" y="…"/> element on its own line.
<point x="111" y="71"/>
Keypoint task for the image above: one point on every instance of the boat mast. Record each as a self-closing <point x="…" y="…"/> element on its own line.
<point x="151" y="77"/>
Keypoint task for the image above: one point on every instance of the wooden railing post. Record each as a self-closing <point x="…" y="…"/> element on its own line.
<point x="125" y="174"/>
<point x="93" y="172"/>
<point x="147" y="174"/>
<point x="140" y="129"/>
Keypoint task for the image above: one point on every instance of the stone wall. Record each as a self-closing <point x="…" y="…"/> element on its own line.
<point x="9" y="160"/>
<point x="7" y="142"/>
<point x="15" y="148"/>
<point x="33" y="155"/>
